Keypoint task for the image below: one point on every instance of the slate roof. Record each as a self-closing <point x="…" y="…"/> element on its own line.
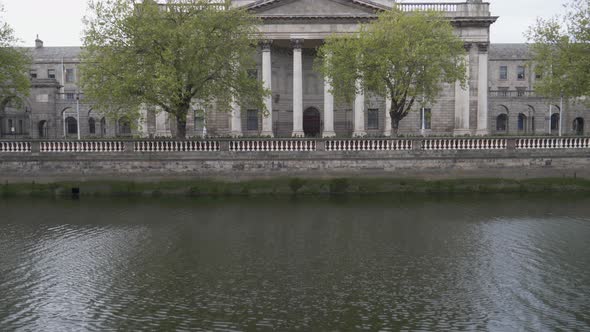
<point x="509" y="52"/>
<point x="55" y="53"/>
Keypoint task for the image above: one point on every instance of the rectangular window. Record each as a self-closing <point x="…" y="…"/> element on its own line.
<point x="199" y="124"/>
<point x="10" y="127"/>
<point x="538" y="76"/>
<point x="373" y="118"/>
<point x="70" y="96"/>
<point x="70" y="75"/>
<point x="33" y="73"/>
<point x="520" y="73"/>
<point x="520" y="91"/>
<point x="20" y="126"/>
<point x="51" y="73"/>
<point x="252" y="120"/>
<point x="503" y="72"/>
<point x="426" y="119"/>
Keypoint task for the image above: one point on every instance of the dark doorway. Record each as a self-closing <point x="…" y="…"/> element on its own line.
<point x="42" y="129"/>
<point x="579" y="126"/>
<point x="311" y="122"/>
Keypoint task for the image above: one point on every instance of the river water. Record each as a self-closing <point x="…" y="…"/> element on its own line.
<point x="487" y="262"/>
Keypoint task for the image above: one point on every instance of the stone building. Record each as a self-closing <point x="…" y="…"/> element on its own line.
<point x="499" y="98"/>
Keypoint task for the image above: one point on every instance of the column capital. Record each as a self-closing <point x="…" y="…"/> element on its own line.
<point x="297" y="44"/>
<point x="265" y="44"/>
<point x="483" y="47"/>
<point x="467" y="46"/>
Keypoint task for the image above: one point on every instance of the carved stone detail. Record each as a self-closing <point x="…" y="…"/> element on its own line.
<point x="297" y="43"/>
<point x="265" y="44"/>
<point x="483" y="47"/>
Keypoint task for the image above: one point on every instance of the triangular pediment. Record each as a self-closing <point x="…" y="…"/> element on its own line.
<point x="315" y="8"/>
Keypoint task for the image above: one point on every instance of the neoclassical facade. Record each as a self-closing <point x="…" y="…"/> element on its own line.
<point x="499" y="98"/>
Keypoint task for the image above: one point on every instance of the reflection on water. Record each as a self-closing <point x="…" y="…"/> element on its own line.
<point x="376" y="263"/>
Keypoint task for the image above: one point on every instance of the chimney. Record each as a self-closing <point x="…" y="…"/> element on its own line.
<point x="38" y="42"/>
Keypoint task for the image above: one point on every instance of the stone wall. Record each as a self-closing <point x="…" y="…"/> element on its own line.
<point x="136" y="166"/>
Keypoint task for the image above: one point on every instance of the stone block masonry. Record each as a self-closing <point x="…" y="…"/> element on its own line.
<point x="506" y="162"/>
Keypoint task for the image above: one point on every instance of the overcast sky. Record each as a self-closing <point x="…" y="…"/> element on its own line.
<point x="59" y="22"/>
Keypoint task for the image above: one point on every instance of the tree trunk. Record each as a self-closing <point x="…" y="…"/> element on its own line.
<point x="181" y="126"/>
<point x="395" y="119"/>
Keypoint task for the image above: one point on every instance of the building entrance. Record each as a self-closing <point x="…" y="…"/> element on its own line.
<point x="311" y="122"/>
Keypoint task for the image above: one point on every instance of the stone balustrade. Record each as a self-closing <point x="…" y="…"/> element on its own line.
<point x="464" y="144"/>
<point x="421" y="6"/>
<point x="82" y="146"/>
<point x="272" y="145"/>
<point x="17" y="147"/>
<point x="244" y="145"/>
<point x="553" y="143"/>
<point x="368" y="145"/>
<point x="175" y="146"/>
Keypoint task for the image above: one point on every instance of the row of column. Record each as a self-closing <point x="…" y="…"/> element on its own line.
<point x="236" y="129"/>
<point x="462" y="98"/>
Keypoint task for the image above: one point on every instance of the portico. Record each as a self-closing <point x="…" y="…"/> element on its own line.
<point x="301" y="99"/>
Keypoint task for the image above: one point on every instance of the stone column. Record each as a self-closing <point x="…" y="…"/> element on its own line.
<point x="328" y="110"/>
<point x="297" y="88"/>
<point x="235" y="120"/>
<point x="267" y="82"/>
<point x="359" y="112"/>
<point x="387" y="130"/>
<point x="462" y="101"/>
<point x="482" y="90"/>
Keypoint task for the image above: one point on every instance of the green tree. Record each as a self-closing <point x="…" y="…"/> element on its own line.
<point x="171" y="56"/>
<point x="14" y="66"/>
<point x="405" y="56"/>
<point x="560" y="49"/>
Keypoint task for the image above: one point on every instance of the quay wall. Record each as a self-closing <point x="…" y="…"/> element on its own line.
<point x="238" y="166"/>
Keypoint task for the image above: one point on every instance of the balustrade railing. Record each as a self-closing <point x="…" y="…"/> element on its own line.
<point x="464" y="144"/>
<point x="272" y="145"/>
<point x="553" y="143"/>
<point x="175" y="146"/>
<point x="368" y="145"/>
<point x="512" y="93"/>
<point x="443" y="7"/>
<point x="15" y="147"/>
<point x="84" y="146"/>
<point x="297" y="145"/>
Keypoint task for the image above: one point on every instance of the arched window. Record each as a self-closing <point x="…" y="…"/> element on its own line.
<point x="71" y="126"/>
<point x="555" y="121"/>
<point x="502" y="122"/>
<point x="578" y="126"/>
<point x="124" y="126"/>
<point x="42" y="129"/>
<point x="521" y="122"/>
<point x="103" y="127"/>
<point x="91" y="126"/>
